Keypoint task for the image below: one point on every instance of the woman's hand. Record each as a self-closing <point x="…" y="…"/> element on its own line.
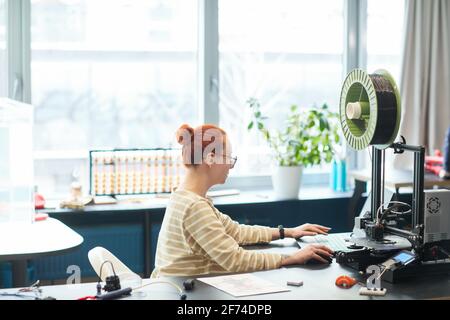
<point x="306" y="229"/>
<point x="312" y="251"/>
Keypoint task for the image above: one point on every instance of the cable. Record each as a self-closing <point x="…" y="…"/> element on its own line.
<point x="180" y="291"/>
<point x="160" y="281"/>
<point x="389" y="209"/>
<point x="442" y="250"/>
<point x="34" y="288"/>
<point x="101" y="268"/>
<point x="19" y="295"/>
<point x="382" y="272"/>
<point x="112" y="282"/>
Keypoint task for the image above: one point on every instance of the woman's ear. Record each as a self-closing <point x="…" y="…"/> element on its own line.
<point x="210" y="159"/>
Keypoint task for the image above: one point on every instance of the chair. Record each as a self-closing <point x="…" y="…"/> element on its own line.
<point x="98" y="257"/>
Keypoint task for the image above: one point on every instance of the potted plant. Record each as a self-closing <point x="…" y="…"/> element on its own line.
<point x="308" y="138"/>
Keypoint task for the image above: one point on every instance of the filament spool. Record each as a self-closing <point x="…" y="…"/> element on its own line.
<point x="370" y="109"/>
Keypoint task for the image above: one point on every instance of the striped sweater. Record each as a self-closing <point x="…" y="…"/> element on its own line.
<point x="196" y="239"/>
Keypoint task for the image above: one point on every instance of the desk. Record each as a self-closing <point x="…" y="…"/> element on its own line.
<point x="19" y="243"/>
<point x="394" y="179"/>
<point x="318" y="284"/>
<point x="138" y="224"/>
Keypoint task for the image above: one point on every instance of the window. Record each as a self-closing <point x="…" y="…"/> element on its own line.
<point x="123" y="73"/>
<point x="282" y="53"/>
<point x="385" y="36"/>
<point x="384" y="47"/>
<point x="3" y="63"/>
<point x="115" y="78"/>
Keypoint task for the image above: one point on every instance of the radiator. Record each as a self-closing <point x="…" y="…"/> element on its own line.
<point x="126" y="242"/>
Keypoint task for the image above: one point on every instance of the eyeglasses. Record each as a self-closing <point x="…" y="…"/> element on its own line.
<point x="233" y="161"/>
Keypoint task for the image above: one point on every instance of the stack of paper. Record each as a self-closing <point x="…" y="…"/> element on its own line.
<point x="240" y="285"/>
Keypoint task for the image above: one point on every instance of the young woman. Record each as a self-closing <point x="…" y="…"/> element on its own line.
<point x="196" y="238"/>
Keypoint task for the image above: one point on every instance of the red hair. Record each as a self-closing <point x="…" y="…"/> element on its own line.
<point x="200" y="141"/>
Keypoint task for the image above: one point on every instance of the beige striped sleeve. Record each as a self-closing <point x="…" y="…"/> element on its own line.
<point x="203" y="226"/>
<point x="245" y="234"/>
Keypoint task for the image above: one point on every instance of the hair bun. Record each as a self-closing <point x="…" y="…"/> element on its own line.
<point x="183" y="133"/>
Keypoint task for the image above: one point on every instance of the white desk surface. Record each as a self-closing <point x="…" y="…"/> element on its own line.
<point x="50" y="236"/>
<point x="319" y="284"/>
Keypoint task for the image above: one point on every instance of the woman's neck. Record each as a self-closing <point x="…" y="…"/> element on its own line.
<point x="196" y="181"/>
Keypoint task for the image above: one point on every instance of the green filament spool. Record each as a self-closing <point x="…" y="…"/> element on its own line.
<point x="370" y="109"/>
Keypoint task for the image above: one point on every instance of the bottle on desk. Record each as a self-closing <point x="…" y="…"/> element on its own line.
<point x="333" y="175"/>
<point x="338" y="175"/>
<point x="342" y="175"/>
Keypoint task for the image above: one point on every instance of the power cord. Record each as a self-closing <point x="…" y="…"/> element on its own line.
<point x="390" y="209"/>
<point x="34" y="288"/>
<point x="188" y="285"/>
<point x="114" y="289"/>
<point x="19" y="295"/>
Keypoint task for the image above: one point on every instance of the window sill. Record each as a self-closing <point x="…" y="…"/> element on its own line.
<point x="253" y="196"/>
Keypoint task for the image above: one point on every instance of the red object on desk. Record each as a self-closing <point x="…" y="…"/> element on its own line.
<point x="39" y="201"/>
<point x="345" y="282"/>
<point x="40" y="216"/>
<point x="88" y="298"/>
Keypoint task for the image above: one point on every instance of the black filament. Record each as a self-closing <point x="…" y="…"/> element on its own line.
<point x="387" y="109"/>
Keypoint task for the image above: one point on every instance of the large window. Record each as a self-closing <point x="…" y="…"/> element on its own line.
<point x="123" y="73"/>
<point x="109" y="74"/>
<point x="385" y="19"/>
<point x="282" y="53"/>
<point x="3" y="64"/>
<point x="384" y="47"/>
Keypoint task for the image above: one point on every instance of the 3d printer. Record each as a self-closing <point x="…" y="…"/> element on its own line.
<point x="370" y="113"/>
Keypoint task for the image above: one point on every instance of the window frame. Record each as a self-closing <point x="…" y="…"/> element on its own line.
<point x="18" y="47"/>
<point x="19" y="65"/>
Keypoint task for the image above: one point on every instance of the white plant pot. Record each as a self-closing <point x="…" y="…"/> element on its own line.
<point x="286" y="181"/>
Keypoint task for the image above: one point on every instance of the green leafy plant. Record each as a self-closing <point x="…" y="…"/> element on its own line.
<point x="308" y="138"/>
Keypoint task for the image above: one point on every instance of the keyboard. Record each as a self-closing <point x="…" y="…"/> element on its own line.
<point x="336" y="242"/>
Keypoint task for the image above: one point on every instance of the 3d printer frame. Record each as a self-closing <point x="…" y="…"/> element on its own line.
<point x="375" y="229"/>
<point x="415" y="236"/>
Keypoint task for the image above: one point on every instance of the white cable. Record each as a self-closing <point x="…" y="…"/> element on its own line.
<point x="387" y="203"/>
<point x="160" y="281"/>
<point x="382" y="272"/>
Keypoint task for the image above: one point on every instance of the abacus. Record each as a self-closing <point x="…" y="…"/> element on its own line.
<point x="134" y="171"/>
